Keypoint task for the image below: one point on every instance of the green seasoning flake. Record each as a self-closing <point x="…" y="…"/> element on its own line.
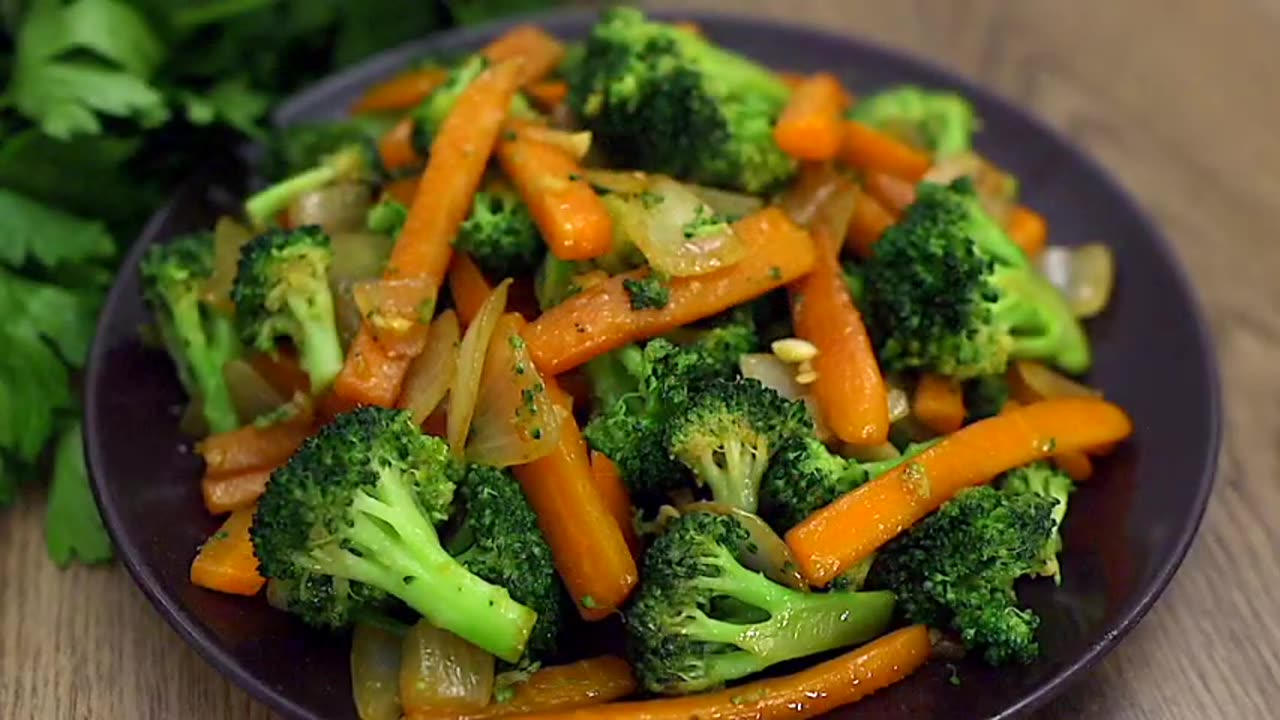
<point x="775" y="273"/>
<point x="588" y="602"/>
<point x="648" y="293"/>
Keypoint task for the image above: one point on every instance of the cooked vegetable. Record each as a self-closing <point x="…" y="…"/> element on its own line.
<point x="647" y="293"/>
<point x="848" y="530"/>
<point x="441" y="671"/>
<point x="227" y="493"/>
<point x="613" y="492"/>
<point x="432" y="372"/>
<point x="547" y="94"/>
<point x="375" y="672"/>
<point x="941" y="123"/>
<point x="395" y="148"/>
<point x="538" y="52"/>
<point x="282" y="290"/>
<point x="350" y="521"/>
<point x="500" y="233"/>
<point x="430" y="115"/>
<point x="226" y="561"/>
<point x="356" y="162"/>
<point x="665" y="100"/>
<point x="938" y="403"/>
<point x="1085" y="274"/>
<point x="870" y="220"/>
<point x="700" y="619"/>
<point x="474" y="348"/>
<point x="556" y="689"/>
<point x="259" y="445"/>
<point x="946" y="291"/>
<point x="870" y="150"/>
<point x="810" y="127"/>
<point x="1043" y="479"/>
<point x="402" y="91"/>
<point x="515" y="416"/>
<point x="199" y="337"/>
<point x="1028" y="230"/>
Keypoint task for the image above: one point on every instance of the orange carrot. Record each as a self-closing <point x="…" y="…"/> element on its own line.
<point x="614" y="493"/>
<point x="401" y="92"/>
<point x="848" y="530"/>
<point x="1075" y="463"/>
<point x="225" y="493"/>
<point x="395" y="147"/>
<point x="572" y="217"/>
<point x="600" y="318"/>
<point x="402" y="190"/>
<point x="539" y="52"/>
<point x="281" y="372"/>
<point x="255" y="448"/>
<point x="226" y="562"/>
<point x="938" y="403"/>
<point x="866" y="148"/>
<point x="553" y="689"/>
<point x="588" y="547"/>
<point x="893" y="193"/>
<point x="1028" y="229"/>
<point x="376" y="364"/>
<point x="870" y="220"/>
<point x="468" y="287"/>
<point x="849" y="388"/>
<point x="547" y="94"/>
<point x="810" y="127"/>
<point x="808" y="693"/>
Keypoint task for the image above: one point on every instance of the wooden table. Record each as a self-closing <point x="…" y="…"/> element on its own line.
<point x="1179" y="99"/>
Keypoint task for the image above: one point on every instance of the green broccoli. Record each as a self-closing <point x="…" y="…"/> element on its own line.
<point x="615" y="377"/>
<point x="957" y="568"/>
<point x="387" y="217"/>
<point x="947" y="291"/>
<point x="500" y="234"/>
<point x="941" y="122"/>
<point x="662" y="99"/>
<point x="729" y="432"/>
<point x="349" y="522"/>
<point x="297" y="148"/>
<point x="647" y="293"/>
<point x="282" y="289"/>
<point x="555" y="280"/>
<point x="805" y="476"/>
<point x="356" y="162"/>
<point x="700" y="619"/>
<point x="432" y="111"/>
<point x="499" y="541"/>
<point x="985" y="396"/>
<point x="200" y="337"/>
<point x="1043" y="478"/>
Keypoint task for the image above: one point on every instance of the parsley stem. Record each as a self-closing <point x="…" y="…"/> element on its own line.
<point x="216" y="11"/>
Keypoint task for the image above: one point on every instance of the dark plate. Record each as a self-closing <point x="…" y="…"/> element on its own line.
<point x="1128" y="530"/>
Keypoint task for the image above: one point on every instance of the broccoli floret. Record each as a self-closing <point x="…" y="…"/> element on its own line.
<point x="355" y="162"/>
<point x="855" y="278"/>
<point x="387" y="217"/>
<point x="615" y="377"/>
<point x="700" y="619"/>
<point x="947" y="291"/>
<point x="282" y="289"/>
<point x="1046" y="479"/>
<point x="662" y="99"/>
<point x="499" y="541"/>
<point x="941" y="122"/>
<point x="350" y="521"/>
<point x="957" y="567"/>
<point x="805" y="476"/>
<point x="430" y="114"/>
<point x="199" y="337"/>
<point x="500" y="233"/>
<point x="729" y="432"/>
<point x="985" y="396"/>
<point x="647" y="293"/>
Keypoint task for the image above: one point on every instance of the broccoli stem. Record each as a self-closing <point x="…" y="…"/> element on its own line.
<point x="1043" y="326"/>
<point x="414" y="567"/>
<point x="262" y="207"/>
<point x="733" y="473"/>
<point x="205" y="347"/>
<point x="320" y="352"/>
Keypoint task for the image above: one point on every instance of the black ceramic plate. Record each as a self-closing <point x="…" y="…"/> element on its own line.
<point x="1128" y="530"/>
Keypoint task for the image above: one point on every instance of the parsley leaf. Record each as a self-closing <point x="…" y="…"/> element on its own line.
<point x="72" y="528"/>
<point x="230" y="101"/>
<point x="50" y="237"/>
<point x="85" y="175"/>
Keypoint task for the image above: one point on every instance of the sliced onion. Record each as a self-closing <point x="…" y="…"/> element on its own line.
<point x="763" y="551"/>
<point x="813" y="186"/>
<point x="228" y="237"/>
<point x="576" y="144"/>
<point x="375" y="673"/>
<point x="515" y="419"/>
<point x="657" y="228"/>
<point x="1030" y="381"/>
<point x="398" y="311"/>
<point x="357" y="257"/>
<point x="1085" y="275"/>
<point x="431" y="373"/>
<point x="627" y="182"/>
<point x="251" y="394"/>
<point x="836" y="212"/>
<point x="337" y="208"/>
<point x="727" y="202"/>
<point x="899" y="404"/>
<point x="781" y="378"/>
<point x="440" y="671"/>
<point x="471" y="356"/>
<point x="997" y="189"/>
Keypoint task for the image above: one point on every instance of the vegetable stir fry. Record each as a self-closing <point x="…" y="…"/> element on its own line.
<point x="638" y="341"/>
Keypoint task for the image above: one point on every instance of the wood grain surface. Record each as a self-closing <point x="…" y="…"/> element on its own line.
<point x="1179" y="99"/>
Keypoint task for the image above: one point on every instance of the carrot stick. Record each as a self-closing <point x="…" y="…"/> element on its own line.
<point x="226" y="562"/>
<point x="375" y="366"/>
<point x="808" y="693"/>
<point x="540" y="52"/>
<point x="810" y="127"/>
<point x="600" y="318"/>
<point x="255" y="448"/>
<point x="849" y="389"/>
<point x="403" y="190"/>
<point x="547" y="94"/>
<point x="395" y="147"/>
<point x="281" y="372"/>
<point x="1028" y="229"/>
<point x="866" y="148"/>
<point x="553" y="689"/>
<point x="893" y="193"/>
<point x="401" y="92"/>
<point x="1075" y="463"/>
<point x="938" y="402"/>
<point x="614" y="493"/>
<point x="468" y="287"/>
<point x="586" y="543"/>
<point x="225" y="493"/>
<point x="870" y="220"/>
<point x="571" y="216"/>
<point x="848" y="530"/>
